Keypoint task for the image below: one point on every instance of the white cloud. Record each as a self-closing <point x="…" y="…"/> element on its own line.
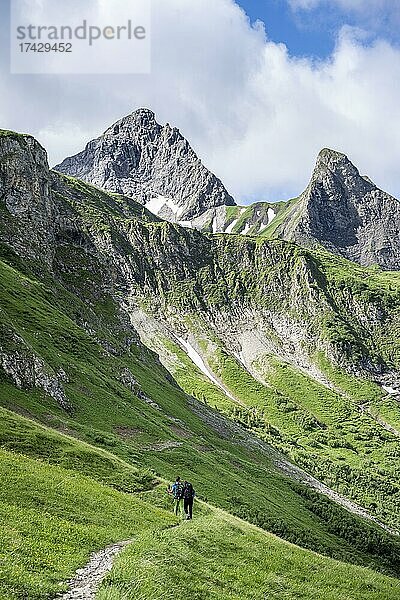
<point x="256" y="116"/>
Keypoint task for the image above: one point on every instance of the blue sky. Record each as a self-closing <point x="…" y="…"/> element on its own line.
<point x="303" y="36"/>
<point x="310" y="27"/>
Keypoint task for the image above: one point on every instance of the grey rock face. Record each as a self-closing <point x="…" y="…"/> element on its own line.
<point x="144" y="160"/>
<point x="346" y="213"/>
<point x="29" y="371"/>
<point x="25" y="194"/>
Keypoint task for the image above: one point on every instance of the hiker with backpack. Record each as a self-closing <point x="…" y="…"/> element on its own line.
<point x="188" y="497"/>
<point x="177" y="492"/>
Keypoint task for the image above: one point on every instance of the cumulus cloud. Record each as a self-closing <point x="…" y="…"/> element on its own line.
<point x="256" y="115"/>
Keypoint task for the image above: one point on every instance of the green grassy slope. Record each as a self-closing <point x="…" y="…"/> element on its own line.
<point x="72" y="361"/>
<point x="254" y="215"/>
<point x="320" y="428"/>
<point x="51" y="519"/>
<point x="284" y="212"/>
<point x="217" y="556"/>
<point x="26" y="437"/>
<point x="351" y="315"/>
<point x="169" y="435"/>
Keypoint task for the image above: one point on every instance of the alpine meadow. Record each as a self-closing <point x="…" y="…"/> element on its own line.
<point x="151" y="327"/>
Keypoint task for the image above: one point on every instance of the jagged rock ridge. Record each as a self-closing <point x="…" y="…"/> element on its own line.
<point x="151" y="163"/>
<point x="346" y="213"/>
<point x="155" y="165"/>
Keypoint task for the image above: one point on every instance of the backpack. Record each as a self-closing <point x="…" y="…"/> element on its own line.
<point x="177" y="489"/>
<point x="188" y="491"/>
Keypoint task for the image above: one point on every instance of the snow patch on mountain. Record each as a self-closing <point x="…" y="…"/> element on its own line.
<point x="390" y="390"/>
<point x="185" y="224"/>
<point x="155" y="205"/>
<point x="271" y="215"/>
<point x="199" y="362"/>
<point x="231" y="226"/>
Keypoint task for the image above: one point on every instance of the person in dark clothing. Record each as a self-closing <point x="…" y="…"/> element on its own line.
<point x="188" y="497"/>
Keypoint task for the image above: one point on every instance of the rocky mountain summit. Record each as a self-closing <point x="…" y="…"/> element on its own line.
<point x="345" y="212"/>
<point x="340" y="209"/>
<point x="151" y="163"/>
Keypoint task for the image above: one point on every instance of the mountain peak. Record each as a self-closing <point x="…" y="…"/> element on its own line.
<point x="140" y="115"/>
<point x="141" y="119"/>
<point x="144" y="112"/>
<point x="335" y="162"/>
<point x="153" y="164"/>
<point x="346" y="213"/>
<point x="327" y="154"/>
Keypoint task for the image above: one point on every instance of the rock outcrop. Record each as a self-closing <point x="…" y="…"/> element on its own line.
<point x="151" y="163"/>
<point x="29" y="371"/>
<point x="346" y="213"/>
<point x="25" y="195"/>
